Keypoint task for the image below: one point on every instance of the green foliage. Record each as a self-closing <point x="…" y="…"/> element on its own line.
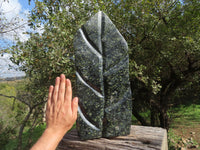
<point x="11" y="111"/>
<point x="186" y="115"/>
<point x="173" y="140"/>
<point x="29" y="138"/>
<point x="164" y="43"/>
<point x="164" y="51"/>
<point x="163" y="38"/>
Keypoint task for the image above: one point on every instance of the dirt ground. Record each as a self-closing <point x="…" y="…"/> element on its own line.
<point x="190" y="136"/>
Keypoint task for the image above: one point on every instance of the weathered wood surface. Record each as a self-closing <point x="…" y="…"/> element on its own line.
<point x="140" y="138"/>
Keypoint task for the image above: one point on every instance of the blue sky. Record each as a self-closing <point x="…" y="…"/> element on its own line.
<point x="25" y="4"/>
<point x="19" y="8"/>
<point x="15" y="9"/>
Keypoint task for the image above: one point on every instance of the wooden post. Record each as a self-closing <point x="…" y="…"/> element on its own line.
<point x="140" y="138"/>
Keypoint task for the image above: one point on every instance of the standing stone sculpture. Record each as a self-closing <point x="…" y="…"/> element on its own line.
<point x="103" y="87"/>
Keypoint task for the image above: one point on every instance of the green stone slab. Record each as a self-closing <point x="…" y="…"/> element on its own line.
<point x="103" y="87"/>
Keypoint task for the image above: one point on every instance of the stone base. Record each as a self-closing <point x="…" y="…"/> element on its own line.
<point x="141" y="137"/>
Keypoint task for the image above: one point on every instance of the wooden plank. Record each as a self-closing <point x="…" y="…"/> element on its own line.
<point x="140" y="138"/>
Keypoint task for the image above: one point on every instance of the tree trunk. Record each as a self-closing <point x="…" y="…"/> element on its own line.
<point x="163" y="117"/>
<point x="138" y="116"/>
<point x="164" y="120"/>
<point x="153" y="116"/>
<point x="19" y="145"/>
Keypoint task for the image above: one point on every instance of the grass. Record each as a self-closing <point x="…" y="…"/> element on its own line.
<point x="184" y="129"/>
<point x="186" y="115"/>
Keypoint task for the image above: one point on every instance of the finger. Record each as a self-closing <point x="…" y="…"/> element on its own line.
<point x="61" y="93"/>
<point x="75" y="107"/>
<point x="68" y="93"/>
<point x="55" y="92"/>
<point x="49" y="101"/>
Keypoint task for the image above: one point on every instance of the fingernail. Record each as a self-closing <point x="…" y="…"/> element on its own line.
<point x="57" y="78"/>
<point x="62" y="76"/>
<point x="76" y="100"/>
<point x="68" y="82"/>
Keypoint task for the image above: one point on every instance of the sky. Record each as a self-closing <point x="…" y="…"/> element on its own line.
<point x="13" y="9"/>
<point x="19" y="10"/>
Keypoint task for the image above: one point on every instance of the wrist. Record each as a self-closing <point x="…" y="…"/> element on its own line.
<point x="49" y="139"/>
<point x="55" y="133"/>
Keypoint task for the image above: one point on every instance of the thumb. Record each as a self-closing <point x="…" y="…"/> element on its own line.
<point x="75" y="107"/>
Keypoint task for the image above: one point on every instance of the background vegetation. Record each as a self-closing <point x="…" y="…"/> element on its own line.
<point x="11" y="112"/>
<point x="164" y="51"/>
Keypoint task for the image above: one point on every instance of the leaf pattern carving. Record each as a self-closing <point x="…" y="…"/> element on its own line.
<point x="103" y="88"/>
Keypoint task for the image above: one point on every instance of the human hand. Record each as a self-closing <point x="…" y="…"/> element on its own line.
<point x="61" y="112"/>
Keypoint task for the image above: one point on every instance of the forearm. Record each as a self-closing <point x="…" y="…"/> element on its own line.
<point x="49" y="140"/>
<point x="61" y="114"/>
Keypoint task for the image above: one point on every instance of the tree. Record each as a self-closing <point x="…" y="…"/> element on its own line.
<point x="163" y="39"/>
<point x="166" y="49"/>
<point x="10" y="28"/>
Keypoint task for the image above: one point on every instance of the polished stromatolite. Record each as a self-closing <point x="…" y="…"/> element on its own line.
<point x="103" y="87"/>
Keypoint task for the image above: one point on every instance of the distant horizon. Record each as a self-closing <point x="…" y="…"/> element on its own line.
<point x="10" y="75"/>
<point x="11" y="78"/>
